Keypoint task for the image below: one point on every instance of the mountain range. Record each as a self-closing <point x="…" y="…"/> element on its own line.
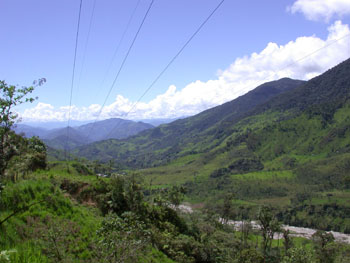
<point x="84" y="134"/>
<point x="191" y="135"/>
<point x="285" y="144"/>
<point x="253" y="130"/>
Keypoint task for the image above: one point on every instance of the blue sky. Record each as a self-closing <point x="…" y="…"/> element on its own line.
<point x="245" y="44"/>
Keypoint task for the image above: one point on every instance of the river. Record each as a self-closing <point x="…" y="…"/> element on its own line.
<point x="294" y="230"/>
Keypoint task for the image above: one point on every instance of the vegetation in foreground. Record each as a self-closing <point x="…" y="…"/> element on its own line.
<point x="295" y="159"/>
<point x="56" y="216"/>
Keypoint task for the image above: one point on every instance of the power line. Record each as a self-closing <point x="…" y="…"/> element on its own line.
<point x="304" y="57"/>
<point x="317" y="50"/>
<point x="253" y="85"/>
<point x="86" y="43"/>
<point x="122" y="65"/>
<point x="72" y="82"/>
<point x="118" y="46"/>
<point x="171" y="61"/>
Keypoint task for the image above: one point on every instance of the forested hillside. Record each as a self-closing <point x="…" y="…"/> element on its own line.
<point x="278" y="155"/>
<point x="294" y="144"/>
<point x="191" y="135"/>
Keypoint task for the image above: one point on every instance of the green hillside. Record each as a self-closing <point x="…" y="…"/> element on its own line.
<point x="293" y="156"/>
<point x="291" y="143"/>
<point x="278" y="155"/>
<point x="192" y="135"/>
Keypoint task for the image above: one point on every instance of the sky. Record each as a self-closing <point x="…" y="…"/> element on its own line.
<point x="244" y="44"/>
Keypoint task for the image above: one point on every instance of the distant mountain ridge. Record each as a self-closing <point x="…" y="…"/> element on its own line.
<point x="30" y="131"/>
<point x="111" y="128"/>
<point x="114" y="128"/>
<point x="329" y="88"/>
<point x="190" y="135"/>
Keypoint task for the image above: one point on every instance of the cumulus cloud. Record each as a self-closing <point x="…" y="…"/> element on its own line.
<point x="321" y="9"/>
<point x="303" y="58"/>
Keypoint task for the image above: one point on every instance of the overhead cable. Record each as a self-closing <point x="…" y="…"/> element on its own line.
<point x="121" y="66"/>
<point x="171" y="62"/>
<point x="72" y="81"/>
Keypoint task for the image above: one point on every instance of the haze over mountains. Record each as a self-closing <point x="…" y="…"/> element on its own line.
<point x="190" y="135"/>
<point x="84" y="134"/>
<point x="142" y="145"/>
<point x="282" y="141"/>
<point x="278" y="100"/>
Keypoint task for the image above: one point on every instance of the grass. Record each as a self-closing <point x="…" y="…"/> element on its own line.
<point x="265" y="175"/>
<point x="332" y="197"/>
<point x="53" y="211"/>
<point x="38" y="199"/>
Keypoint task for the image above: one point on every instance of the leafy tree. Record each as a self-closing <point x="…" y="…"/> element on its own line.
<point x="249" y="255"/>
<point x="268" y="226"/>
<point x="11" y="96"/>
<point x="176" y="195"/>
<point x="324" y="246"/>
<point x="36" y="154"/>
<point x="110" y="166"/>
<point x="227" y="207"/>
<point x="57" y="237"/>
<point x="115" y="199"/>
<point x="26" y="155"/>
<point x="122" y="239"/>
<point x="134" y="195"/>
<point x="246" y="228"/>
<point x="287" y="241"/>
<point x="298" y="255"/>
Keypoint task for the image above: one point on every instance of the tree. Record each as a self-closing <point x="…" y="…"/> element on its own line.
<point x="287" y="241"/>
<point x="110" y="167"/>
<point x="11" y="96"/>
<point x="176" y="195"/>
<point x="122" y="239"/>
<point x="298" y="255"/>
<point x="325" y="247"/>
<point x="227" y="207"/>
<point x="268" y="226"/>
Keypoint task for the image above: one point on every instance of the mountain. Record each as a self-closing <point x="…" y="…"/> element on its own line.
<point x="84" y="134"/>
<point x="29" y="131"/>
<point x="332" y="87"/>
<point x="49" y="125"/>
<point x="157" y="122"/>
<point x="285" y="144"/>
<point x="57" y="138"/>
<point x="112" y="128"/>
<point x="185" y="136"/>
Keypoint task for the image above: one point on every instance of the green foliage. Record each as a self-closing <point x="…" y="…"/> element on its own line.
<point x="122" y="239"/>
<point x="42" y="216"/>
<point x="5" y="255"/>
<point x="197" y="134"/>
<point x="59" y="230"/>
<point x="289" y="150"/>
<point x="269" y="226"/>
<point x="325" y="247"/>
<point x="176" y="195"/>
<point x="10" y="96"/>
<point x="59" y="238"/>
<point x="298" y="255"/>
<point x="81" y="169"/>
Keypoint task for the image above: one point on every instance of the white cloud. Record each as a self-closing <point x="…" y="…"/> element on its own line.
<point x="245" y="73"/>
<point x="321" y="9"/>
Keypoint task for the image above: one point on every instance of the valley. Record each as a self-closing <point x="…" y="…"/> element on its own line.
<point x="262" y="178"/>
